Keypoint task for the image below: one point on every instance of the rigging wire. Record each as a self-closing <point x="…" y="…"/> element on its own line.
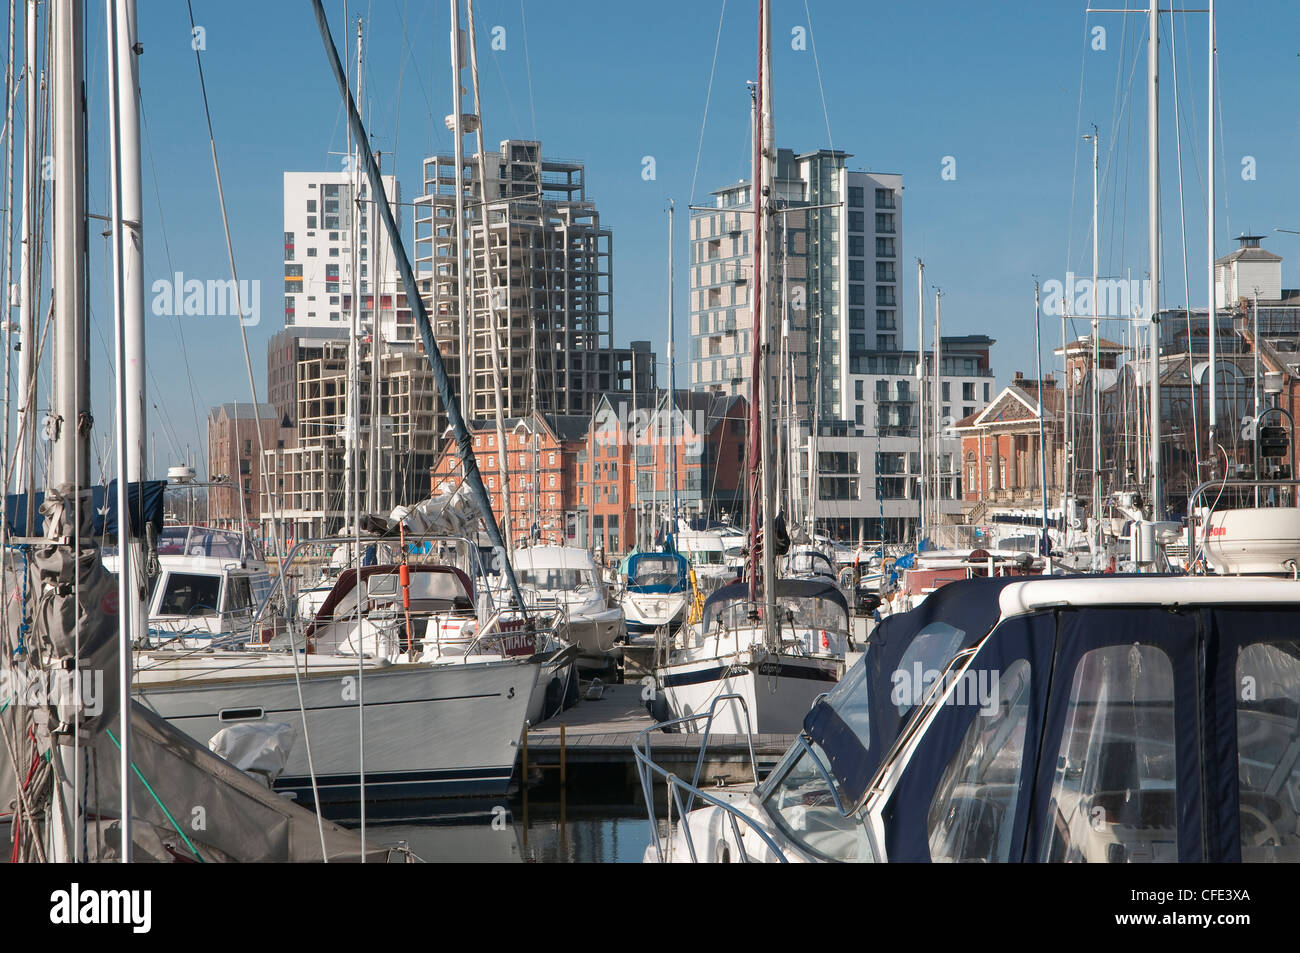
<point x="708" y="95"/>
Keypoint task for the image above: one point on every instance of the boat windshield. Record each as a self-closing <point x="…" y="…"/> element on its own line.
<point x="201" y="541"/>
<point x="805" y="612"/>
<point x="190" y="594"/>
<point x="805" y="803"/>
<point x="656" y="571"/>
<point x="556" y="578"/>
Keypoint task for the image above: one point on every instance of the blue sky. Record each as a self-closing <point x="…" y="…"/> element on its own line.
<point x="1006" y="89"/>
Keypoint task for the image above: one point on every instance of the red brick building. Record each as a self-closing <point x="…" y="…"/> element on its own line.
<point x="1000" y="447"/>
<point x="542" y="473"/>
<point x="234" y="453"/>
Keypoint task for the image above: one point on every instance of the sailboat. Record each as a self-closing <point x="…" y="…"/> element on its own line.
<point x="764" y="648"/>
<point x="451" y="720"/>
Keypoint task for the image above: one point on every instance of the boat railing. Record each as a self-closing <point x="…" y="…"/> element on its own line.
<point x="1220" y="485"/>
<point x="683" y="794"/>
<point x="557" y="626"/>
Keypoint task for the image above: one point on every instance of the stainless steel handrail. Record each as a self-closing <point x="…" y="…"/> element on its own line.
<point x="1223" y="485"/>
<point x="647" y="770"/>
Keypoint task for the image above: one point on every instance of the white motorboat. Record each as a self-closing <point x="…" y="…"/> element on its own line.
<point x="1070" y="719"/>
<point x="656" y="593"/>
<point x="211" y="587"/>
<point x="567" y="578"/>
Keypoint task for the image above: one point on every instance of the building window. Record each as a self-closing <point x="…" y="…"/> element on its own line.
<point x="884" y="198"/>
<point x="885" y="296"/>
<point x="885" y="321"/>
<point x="857" y="319"/>
<point x="855" y="196"/>
<point x="885" y="222"/>
<point x="885" y="248"/>
<point x="856" y="221"/>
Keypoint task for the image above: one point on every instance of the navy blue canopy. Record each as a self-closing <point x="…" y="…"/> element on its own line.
<point x="967" y="609"/>
<point x="785" y="588"/>
<point x="145" y="501"/>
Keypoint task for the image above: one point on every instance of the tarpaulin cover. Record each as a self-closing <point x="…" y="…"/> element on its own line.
<point x="145" y="500"/>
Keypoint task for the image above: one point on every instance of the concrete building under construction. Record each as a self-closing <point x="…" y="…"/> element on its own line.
<point x="542" y="279"/>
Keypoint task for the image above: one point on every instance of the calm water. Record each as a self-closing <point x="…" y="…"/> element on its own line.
<point x="543" y="831"/>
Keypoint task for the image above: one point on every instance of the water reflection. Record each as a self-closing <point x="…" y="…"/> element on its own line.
<point x="543" y="831"/>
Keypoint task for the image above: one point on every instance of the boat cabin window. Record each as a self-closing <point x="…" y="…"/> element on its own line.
<point x="557" y="578"/>
<point x="927" y="656"/>
<point x="190" y="594"/>
<point x="238" y="593"/>
<point x="1268" y="751"/>
<point x="1113" y="799"/>
<point x="804" y="804"/>
<point x="974" y="807"/>
<point x="655" y="571"/>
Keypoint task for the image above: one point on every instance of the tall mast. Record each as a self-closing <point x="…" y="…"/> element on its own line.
<point x="28" y="291"/>
<point x="920" y="391"/>
<point x="938" y="405"/>
<point x="457" y="133"/>
<point x="130" y="352"/>
<point x="1153" y="229"/>
<point x="503" y="458"/>
<point x="7" y="243"/>
<point x="69" y="472"/>
<point x="1096" y="364"/>
<point x="351" y="435"/>
<point x="672" y="387"/>
<point x="766" y="194"/>
<point x="1213" y="329"/>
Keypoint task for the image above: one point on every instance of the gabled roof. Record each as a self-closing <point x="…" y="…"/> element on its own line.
<point x="235" y="410"/>
<point x="1011" y="405"/>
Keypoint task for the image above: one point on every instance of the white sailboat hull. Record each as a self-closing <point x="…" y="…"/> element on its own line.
<point x="778" y="691"/>
<point x="430" y="731"/>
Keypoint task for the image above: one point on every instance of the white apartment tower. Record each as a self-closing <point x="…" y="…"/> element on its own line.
<point x="320" y="221"/>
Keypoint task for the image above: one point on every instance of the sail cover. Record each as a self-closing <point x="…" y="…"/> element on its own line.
<point x="145" y="500"/>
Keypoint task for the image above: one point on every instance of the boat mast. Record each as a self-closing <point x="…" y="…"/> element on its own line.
<point x="1153" y="230"/>
<point x="69" y="472"/>
<point x="28" y="290"/>
<point x="457" y="132"/>
<point x="920" y="394"/>
<point x="669" y="545"/>
<point x="1096" y="363"/>
<point x="763" y="195"/>
<point x="503" y="460"/>
<point x="938" y="404"/>
<point x="1213" y="329"/>
<point x="128" y="307"/>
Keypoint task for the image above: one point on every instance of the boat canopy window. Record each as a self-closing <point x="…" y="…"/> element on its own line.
<point x="809" y="603"/>
<point x="1268" y="751"/>
<point x="202" y="541"/>
<point x="649" y="570"/>
<point x="239" y="594"/>
<point x="806" y="805"/>
<point x="1113" y="799"/>
<point x="810" y="560"/>
<point x="190" y="594"/>
<point x="556" y="578"/>
<point x="973" y="810"/>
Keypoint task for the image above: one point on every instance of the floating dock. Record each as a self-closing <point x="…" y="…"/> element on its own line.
<point x="600" y="733"/>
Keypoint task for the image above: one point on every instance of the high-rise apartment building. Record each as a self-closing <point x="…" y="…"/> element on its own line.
<point x="322" y="223"/>
<point x="838" y="241"/>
